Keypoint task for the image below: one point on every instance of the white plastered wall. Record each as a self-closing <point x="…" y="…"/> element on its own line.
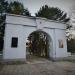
<point x="22" y="27"/>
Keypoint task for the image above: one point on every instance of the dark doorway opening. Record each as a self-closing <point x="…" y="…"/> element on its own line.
<point x="37" y="45"/>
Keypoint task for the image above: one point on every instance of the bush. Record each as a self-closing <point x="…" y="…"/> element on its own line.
<point x="71" y="45"/>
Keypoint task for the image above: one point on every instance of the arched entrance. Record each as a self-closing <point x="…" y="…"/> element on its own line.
<point x="38" y="44"/>
<point x="18" y="28"/>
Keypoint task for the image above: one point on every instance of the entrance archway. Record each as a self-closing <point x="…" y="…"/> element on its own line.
<point x="39" y="44"/>
<point x="18" y="29"/>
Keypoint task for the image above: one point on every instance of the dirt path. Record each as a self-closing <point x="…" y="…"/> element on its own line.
<point x="39" y="68"/>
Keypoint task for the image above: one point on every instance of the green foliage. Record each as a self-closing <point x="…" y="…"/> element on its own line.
<point x="3" y="6"/>
<point x="2" y="26"/>
<point x="39" y="44"/>
<point x="3" y="9"/>
<point x="52" y="13"/>
<point x="71" y="45"/>
<point x="17" y="8"/>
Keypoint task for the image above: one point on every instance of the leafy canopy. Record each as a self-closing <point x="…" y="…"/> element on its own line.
<point x="52" y="13"/>
<point x="17" y="8"/>
<point x="3" y="9"/>
<point x="3" y="6"/>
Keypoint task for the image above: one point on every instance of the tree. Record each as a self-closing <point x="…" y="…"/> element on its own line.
<point x="71" y="45"/>
<point x="52" y="13"/>
<point x="17" y="8"/>
<point x="38" y="44"/>
<point x="3" y="6"/>
<point x="3" y="9"/>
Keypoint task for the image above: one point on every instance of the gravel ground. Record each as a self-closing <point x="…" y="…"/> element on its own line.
<point x="39" y="68"/>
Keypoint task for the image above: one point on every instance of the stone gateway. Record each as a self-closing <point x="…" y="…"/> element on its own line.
<point x="18" y="28"/>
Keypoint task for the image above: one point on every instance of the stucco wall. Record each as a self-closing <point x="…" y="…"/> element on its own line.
<point x="9" y="52"/>
<point x="61" y="36"/>
<point x="21" y="27"/>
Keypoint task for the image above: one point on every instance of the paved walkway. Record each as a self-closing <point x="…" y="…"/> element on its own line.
<point x="39" y="68"/>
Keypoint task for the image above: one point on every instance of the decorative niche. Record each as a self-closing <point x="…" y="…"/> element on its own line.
<point x="61" y="45"/>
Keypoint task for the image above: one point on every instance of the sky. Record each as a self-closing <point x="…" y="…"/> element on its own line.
<point x="34" y="5"/>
